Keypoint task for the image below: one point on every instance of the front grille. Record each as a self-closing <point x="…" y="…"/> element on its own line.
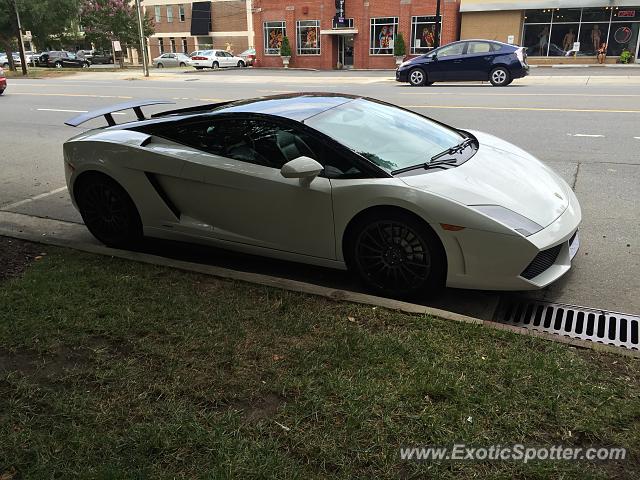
<point x="613" y="328"/>
<point x="541" y="262"/>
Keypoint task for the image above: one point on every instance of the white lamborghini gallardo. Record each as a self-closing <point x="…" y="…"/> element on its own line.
<point x="329" y="179"/>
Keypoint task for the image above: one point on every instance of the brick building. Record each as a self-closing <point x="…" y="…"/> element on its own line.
<point x="185" y="26"/>
<point x="353" y="33"/>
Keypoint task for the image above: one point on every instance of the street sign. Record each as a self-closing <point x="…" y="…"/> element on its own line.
<point x="511" y="39"/>
<point x="116" y="46"/>
<point x="576" y="46"/>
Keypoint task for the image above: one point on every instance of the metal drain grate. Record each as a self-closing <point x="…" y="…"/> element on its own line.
<point x="611" y="328"/>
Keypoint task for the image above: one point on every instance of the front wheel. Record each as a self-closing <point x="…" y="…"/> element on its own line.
<point x="241" y="64"/>
<point x="182" y="64"/>
<point x="215" y="65"/>
<point x="160" y="65"/>
<point x="417" y="77"/>
<point x="396" y="255"/>
<point x="108" y="211"/>
<point x="57" y="65"/>
<point x="500" y="77"/>
<point x="85" y="65"/>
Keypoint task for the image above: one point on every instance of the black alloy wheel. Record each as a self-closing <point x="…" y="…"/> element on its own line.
<point x="397" y="256"/>
<point x="108" y="212"/>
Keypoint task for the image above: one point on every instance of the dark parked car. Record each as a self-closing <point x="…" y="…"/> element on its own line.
<point x="96" y="56"/>
<point x="60" y="59"/>
<point x="498" y="62"/>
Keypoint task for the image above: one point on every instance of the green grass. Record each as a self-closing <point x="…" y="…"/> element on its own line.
<point x="112" y="369"/>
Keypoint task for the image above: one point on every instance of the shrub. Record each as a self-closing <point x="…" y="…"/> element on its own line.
<point x="399" y="48"/>
<point x="285" y="48"/>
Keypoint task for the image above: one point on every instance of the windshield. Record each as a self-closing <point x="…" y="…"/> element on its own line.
<point x="388" y="136"/>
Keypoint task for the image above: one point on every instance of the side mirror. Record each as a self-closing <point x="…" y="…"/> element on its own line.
<point x="301" y="167"/>
<point x="434" y="57"/>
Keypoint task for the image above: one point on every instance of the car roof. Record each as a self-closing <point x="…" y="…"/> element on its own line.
<point x="295" y="106"/>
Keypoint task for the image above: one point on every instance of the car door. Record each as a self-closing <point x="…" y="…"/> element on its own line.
<point x="479" y="59"/>
<point x="232" y="188"/>
<point x="448" y="64"/>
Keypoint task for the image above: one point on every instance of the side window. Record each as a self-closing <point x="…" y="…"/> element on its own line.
<point x="478" y="47"/>
<point x="450" y="50"/>
<point x="260" y="142"/>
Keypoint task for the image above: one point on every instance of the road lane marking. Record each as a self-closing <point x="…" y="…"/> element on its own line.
<point x="521" y="94"/>
<point x="637" y="138"/>
<point x="70" y="95"/>
<point x="33" y="199"/>
<point x="585" y="135"/>
<point x="60" y="110"/>
<point x="529" y="109"/>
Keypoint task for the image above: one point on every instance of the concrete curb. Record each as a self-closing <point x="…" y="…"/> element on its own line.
<point x="10" y="227"/>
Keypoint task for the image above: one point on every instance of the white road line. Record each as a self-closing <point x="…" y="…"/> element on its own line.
<point x="586" y="135"/>
<point x="637" y="138"/>
<point x="60" y="110"/>
<point x="33" y="199"/>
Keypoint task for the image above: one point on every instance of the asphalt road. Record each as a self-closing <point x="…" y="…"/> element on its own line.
<point x="583" y="122"/>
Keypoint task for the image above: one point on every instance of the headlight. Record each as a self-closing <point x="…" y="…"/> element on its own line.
<point x="509" y="218"/>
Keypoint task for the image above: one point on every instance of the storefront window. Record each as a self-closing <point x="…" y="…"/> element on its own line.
<point x="566" y="15"/>
<point x="538" y="16"/>
<point x="623" y="36"/>
<point x="598" y="14"/>
<point x="423" y="34"/>
<point x="274" y="32"/>
<point x="592" y="35"/>
<point x="563" y="36"/>
<point x="536" y="39"/>
<point x="553" y="32"/>
<point x="383" y="34"/>
<point x="308" y="40"/>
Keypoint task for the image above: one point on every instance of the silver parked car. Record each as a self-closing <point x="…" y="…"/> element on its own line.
<point x="171" y="60"/>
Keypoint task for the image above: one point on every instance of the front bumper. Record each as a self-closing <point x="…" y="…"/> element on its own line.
<point x="402" y="75"/>
<point x="490" y="261"/>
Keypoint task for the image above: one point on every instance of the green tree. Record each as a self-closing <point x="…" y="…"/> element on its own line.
<point x="44" y="18"/>
<point x="107" y="20"/>
<point x="399" y="48"/>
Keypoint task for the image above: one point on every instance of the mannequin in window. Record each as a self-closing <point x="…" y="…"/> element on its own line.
<point x="568" y="40"/>
<point x="543" y="40"/>
<point x="596" y="36"/>
<point x="602" y="53"/>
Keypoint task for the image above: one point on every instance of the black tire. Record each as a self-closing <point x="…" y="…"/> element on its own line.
<point x="215" y="65"/>
<point x="396" y="254"/>
<point x="500" y="77"/>
<point x="241" y="64"/>
<point x="86" y="65"/>
<point x="182" y="64"/>
<point x="108" y="211"/>
<point x="417" y="77"/>
<point x="160" y="65"/>
<point x="58" y="64"/>
<point x="5" y="65"/>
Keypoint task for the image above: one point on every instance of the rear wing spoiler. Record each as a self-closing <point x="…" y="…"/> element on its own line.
<point x="107" y="111"/>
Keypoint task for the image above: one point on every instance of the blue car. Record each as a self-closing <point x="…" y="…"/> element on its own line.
<point x="468" y="60"/>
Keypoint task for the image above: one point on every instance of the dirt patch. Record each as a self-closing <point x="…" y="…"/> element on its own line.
<point x="265" y="407"/>
<point x="16" y="256"/>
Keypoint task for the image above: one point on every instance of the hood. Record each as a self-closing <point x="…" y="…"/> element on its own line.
<point x="501" y="174"/>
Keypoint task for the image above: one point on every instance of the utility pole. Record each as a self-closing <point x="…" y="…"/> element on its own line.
<point x="437" y="27"/>
<point x="23" y="59"/>
<point x="143" y="49"/>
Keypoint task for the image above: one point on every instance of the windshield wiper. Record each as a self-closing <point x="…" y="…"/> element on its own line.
<point x="455" y="149"/>
<point x="431" y="164"/>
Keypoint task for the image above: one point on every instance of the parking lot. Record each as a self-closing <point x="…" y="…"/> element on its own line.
<point x="581" y="122"/>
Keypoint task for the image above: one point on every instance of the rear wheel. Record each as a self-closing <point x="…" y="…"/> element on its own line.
<point x="58" y="64"/>
<point x="182" y="64"/>
<point x="417" y="77"/>
<point x="395" y="254"/>
<point x="500" y="77"/>
<point x="241" y="64"/>
<point x="215" y="65"/>
<point x="108" y="211"/>
<point x="86" y="65"/>
<point x="160" y="65"/>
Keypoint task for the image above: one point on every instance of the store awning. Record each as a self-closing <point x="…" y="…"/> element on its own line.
<point x="339" y="31"/>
